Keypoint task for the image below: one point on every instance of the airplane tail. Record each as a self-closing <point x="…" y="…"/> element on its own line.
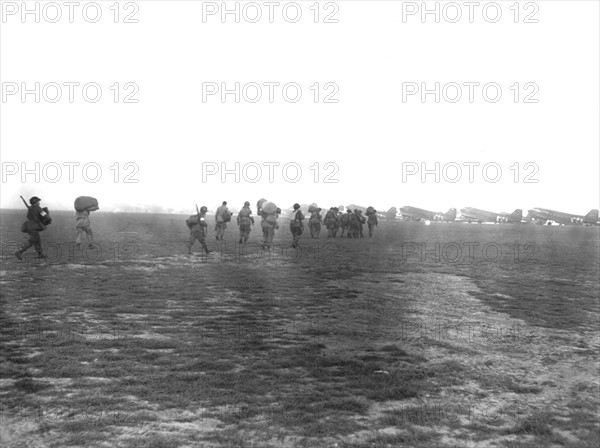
<point x="450" y="215"/>
<point x="516" y="216"/>
<point x="591" y="217"/>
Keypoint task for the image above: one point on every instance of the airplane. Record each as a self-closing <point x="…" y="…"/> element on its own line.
<point x="391" y="213"/>
<point x="542" y="216"/>
<point x="418" y="214"/>
<point x="470" y="214"/>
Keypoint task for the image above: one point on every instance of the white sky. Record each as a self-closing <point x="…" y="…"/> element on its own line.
<point x="368" y="134"/>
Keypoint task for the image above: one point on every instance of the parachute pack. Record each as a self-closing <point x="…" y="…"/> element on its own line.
<point x="269" y="208"/>
<point x="260" y="203"/>
<point x="86" y="203"/>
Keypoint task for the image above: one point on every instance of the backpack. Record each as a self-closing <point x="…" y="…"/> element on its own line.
<point x="329" y="217"/>
<point x="297" y="219"/>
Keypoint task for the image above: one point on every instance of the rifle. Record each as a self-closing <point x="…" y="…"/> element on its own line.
<point x="32" y="214"/>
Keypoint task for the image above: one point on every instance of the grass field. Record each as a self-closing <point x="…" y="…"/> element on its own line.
<point x="423" y="336"/>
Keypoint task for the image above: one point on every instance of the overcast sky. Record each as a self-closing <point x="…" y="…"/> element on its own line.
<point x="368" y="129"/>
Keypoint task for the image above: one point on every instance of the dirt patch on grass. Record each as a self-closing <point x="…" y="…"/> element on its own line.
<point x="512" y="371"/>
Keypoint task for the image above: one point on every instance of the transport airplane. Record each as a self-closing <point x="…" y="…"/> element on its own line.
<point x="470" y="214"/>
<point x="418" y="214"/>
<point x="543" y="215"/>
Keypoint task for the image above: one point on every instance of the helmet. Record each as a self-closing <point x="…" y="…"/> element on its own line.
<point x="203" y="209"/>
<point x="34" y="199"/>
<point x="296" y="206"/>
<point x="246" y="204"/>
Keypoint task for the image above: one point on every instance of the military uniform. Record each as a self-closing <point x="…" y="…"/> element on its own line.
<point x="355" y="224"/>
<point x="296" y="225"/>
<point x="346" y="222"/>
<point x="198" y="228"/>
<point x="245" y="221"/>
<point x="268" y="225"/>
<point x="83" y="225"/>
<point x="221" y="217"/>
<point x="339" y="219"/>
<point x="314" y="223"/>
<point x="359" y="221"/>
<point x="36" y="217"/>
<point x="331" y="222"/>
<point x="371" y="222"/>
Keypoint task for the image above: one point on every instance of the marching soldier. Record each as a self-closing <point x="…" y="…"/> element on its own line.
<point x="354" y="227"/>
<point x="296" y="225"/>
<point x="222" y="217"/>
<point x="339" y="217"/>
<point x="331" y="222"/>
<point x="358" y="221"/>
<point x="371" y="220"/>
<point x="37" y="220"/>
<point x="245" y="221"/>
<point x="83" y="225"/>
<point x="346" y="221"/>
<point x="198" y="229"/>
<point x="314" y="223"/>
<point x="269" y="225"/>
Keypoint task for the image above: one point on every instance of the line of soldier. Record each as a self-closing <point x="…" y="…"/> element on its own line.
<point x="350" y="223"/>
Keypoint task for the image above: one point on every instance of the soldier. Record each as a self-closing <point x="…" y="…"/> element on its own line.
<point x="296" y="225"/>
<point x="314" y="223"/>
<point x="198" y="229"/>
<point x="359" y="221"/>
<point x="339" y="217"/>
<point x="37" y="219"/>
<point x="245" y="221"/>
<point x="371" y="220"/>
<point x="263" y="225"/>
<point x="269" y="225"/>
<point x="331" y="222"/>
<point x="346" y="221"/>
<point x="353" y="224"/>
<point x="83" y="225"/>
<point x="222" y="217"/>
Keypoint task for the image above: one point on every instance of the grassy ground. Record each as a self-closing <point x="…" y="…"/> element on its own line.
<point x="376" y="342"/>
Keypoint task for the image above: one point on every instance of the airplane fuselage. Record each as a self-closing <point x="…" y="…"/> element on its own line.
<point x="478" y="215"/>
<point x="545" y="214"/>
<point x="418" y="214"/>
